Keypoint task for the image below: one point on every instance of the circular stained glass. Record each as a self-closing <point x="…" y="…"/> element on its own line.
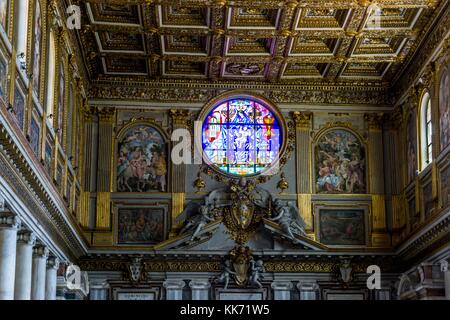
<point x="241" y="136"/>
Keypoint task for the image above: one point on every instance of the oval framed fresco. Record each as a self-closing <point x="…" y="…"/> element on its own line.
<point x="340" y="162"/>
<point x="142" y="158"/>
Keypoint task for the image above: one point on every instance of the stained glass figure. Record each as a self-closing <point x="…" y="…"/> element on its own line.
<point x="241" y="137"/>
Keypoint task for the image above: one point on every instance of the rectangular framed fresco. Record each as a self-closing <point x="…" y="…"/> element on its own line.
<point x="342" y="225"/>
<point x="3" y="77"/>
<point x="76" y="201"/>
<point x="427" y="199"/>
<point x="59" y="174"/>
<point x="68" y="193"/>
<point x="48" y="155"/>
<point x="141" y="224"/>
<point x="414" y="216"/>
<point x="19" y="105"/>
<point x="35" y="134"/>
<point x="444" y="181"/>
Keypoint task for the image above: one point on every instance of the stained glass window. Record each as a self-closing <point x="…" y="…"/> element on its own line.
<point x="241" y="137"/>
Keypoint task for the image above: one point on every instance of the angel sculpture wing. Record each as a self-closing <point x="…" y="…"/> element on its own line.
<point x="296" y="217"/>
<point x="192" y="209"/>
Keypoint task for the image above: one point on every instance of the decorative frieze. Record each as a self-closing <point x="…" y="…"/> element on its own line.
<point x="204" y="92"/>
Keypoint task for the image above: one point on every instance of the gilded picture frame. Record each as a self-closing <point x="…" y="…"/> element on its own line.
<point x="363" y="143"/>
<point x="342" y="225"/>
<point x="125" y="129"/>
<point x="140" y="224"/>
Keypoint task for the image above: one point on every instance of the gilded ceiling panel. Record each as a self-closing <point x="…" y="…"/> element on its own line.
<point x="268" y="41"/>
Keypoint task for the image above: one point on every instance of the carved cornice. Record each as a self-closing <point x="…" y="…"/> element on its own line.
<point x="206" y="263"/>
<point x="23" y="180"/>
<point x="204" y="92"/>
<point x="433" y="239"/>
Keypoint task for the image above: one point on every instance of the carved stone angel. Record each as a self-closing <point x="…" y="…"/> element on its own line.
<point x="226" y="274"/>
<point x="197" y="216"/>
<point x="256" y="268"/>
<point x="288" y="218"/>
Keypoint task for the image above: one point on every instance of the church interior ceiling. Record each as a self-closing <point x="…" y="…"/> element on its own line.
<point x="277" y="42"/>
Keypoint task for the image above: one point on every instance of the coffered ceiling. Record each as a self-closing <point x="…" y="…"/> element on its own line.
<point x="269" y="41"/>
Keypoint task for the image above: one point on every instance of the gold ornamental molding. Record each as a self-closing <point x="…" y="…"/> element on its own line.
<point x="215" y="265"/>
<point x="103" y="212"/>
<point x="341" y="4"/>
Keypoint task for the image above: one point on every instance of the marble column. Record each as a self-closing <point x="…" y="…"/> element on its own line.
<point x="281" y="290"/>
<point x="50" y="278"/>
<point x="444" y="269"/>
<point x="9" y="224"/>
<point x="200" y="289"/>
<point x="24" y="261"/>
<point x="308" y="290"/>
<point x="98" y="291"/>
<point x="174" y="289"/>
<point x="38" y="273"/>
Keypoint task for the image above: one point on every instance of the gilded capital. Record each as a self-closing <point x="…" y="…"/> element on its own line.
<point x="87" y="111"/>
<point x="302" y="119"/>
<point x="106" y="114"/>
<point x="395" y="119"/>
<point x="180" y="117"/>
<point x="374" y="120"/>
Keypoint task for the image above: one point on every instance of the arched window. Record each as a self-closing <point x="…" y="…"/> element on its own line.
<point x="241" y="136"/>
<point x="426" y="144"/>
<point x="50" y="75"/>
<point x="21" y="31"/>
